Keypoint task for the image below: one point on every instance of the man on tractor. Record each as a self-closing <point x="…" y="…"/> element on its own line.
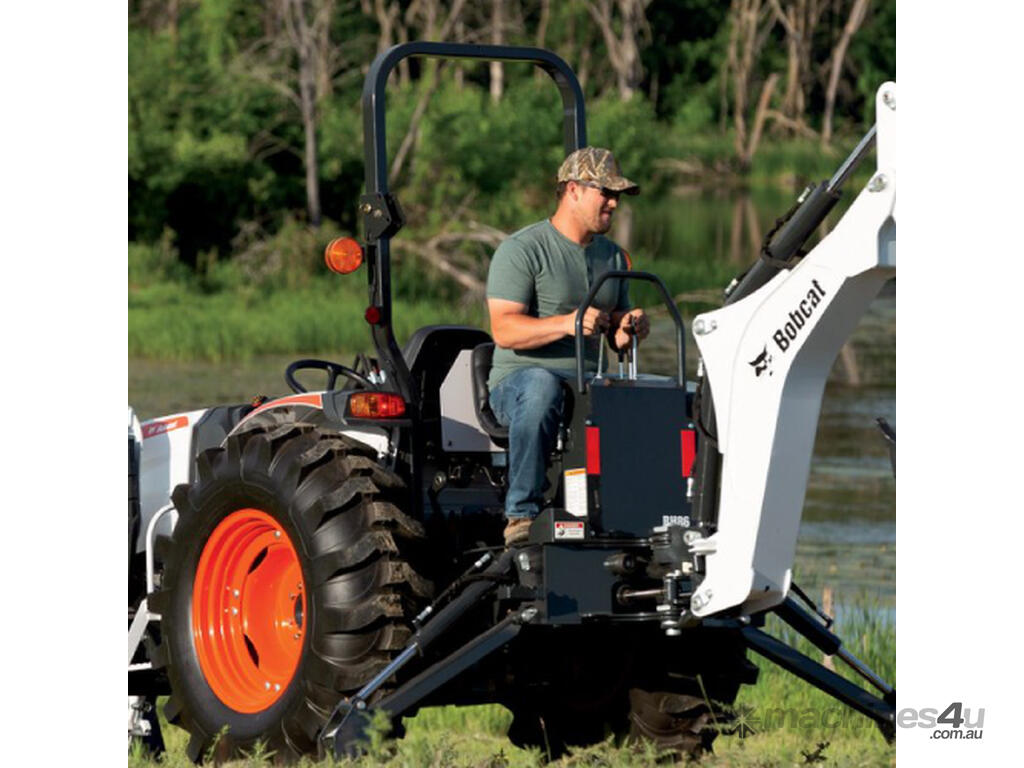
<point x="538" y="277"/>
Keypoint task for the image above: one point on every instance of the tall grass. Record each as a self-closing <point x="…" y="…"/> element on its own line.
<point x="180" y="322"/>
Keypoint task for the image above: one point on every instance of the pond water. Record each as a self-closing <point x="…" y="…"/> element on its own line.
<point x="847" y="539"/>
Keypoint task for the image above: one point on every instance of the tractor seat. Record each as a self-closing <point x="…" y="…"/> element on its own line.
<point x="481" y="367"/>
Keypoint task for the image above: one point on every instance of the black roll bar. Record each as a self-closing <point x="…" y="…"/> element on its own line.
<point x="378" y="204"/>
<point x="573" y="117"/>
<point x="672" y="309"/>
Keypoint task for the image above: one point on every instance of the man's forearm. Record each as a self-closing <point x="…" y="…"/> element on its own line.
<point x="518" y="331"/>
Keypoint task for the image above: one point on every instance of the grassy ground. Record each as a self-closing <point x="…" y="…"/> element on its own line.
<point x="476" y="747"/>
<point x="782" y="722"/>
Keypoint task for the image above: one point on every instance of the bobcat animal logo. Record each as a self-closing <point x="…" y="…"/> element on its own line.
<point x="762" y="362"/>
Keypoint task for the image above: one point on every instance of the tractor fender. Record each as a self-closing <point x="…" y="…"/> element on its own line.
<point x="325" y="410"/>
<point x="169" y="444"/>
<point x="165" y="446"/>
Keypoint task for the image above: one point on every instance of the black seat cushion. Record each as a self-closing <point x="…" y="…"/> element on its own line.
<point x="481" y="365"/>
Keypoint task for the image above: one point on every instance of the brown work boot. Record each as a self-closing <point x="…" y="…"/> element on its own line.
<point x="517" y="531"/>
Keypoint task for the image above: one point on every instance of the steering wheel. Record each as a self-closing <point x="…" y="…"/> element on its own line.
<point x="333" y="371"/>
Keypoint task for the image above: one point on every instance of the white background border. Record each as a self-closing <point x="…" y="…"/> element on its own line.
<point x="64" y="380"/>
<point x="960" y="378"/>
<point x="959" y="394"/>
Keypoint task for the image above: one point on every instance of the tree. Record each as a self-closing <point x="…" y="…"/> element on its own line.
<point x="298" y="60"/>
<point x="799" y="19"/>
<point x="750" y="23"/>
<point x="306" y="25"/>
<point x="857" y="13"/>
<point x="497" y="38"/>
<point x="623" y="47"/>
<point x="430" y="85"/>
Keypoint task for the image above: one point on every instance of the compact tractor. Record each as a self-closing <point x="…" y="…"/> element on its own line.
<point x="297" y="564"/>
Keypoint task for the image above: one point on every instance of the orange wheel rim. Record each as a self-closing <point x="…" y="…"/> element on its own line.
<point x="249" y="610"/>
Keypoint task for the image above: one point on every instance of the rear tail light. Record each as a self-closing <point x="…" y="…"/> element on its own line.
<point x="376" y="405"/>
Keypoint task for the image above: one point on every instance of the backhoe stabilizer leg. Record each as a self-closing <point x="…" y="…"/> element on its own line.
<point x="350" y="737"/>
<point x="804" y="623"/>
<point x="881" y="710"/>
<point x="471" y="594"/>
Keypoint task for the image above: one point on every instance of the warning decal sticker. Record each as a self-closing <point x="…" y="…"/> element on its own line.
<point x="569" y="529"/>
<point x="576" y="492"/>
<point x="154" y="428"/>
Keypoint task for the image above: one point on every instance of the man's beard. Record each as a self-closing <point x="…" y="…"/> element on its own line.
<point x="601" y="225"/>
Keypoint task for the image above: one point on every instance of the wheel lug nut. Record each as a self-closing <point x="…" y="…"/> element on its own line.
<point x="277" y="686"/>
<point x="266" y="686"/>
<point x="236" y="593"/>
<point x="277" y="534"/>
<point x="296" y="636"/>
<point x="234" y="611"/>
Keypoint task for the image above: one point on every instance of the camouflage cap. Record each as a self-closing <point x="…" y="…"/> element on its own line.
<point x="598" y="166"/>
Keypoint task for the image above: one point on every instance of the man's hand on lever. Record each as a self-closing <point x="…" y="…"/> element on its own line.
<point x="595" y="322"/>
<point x="628" y="324"/>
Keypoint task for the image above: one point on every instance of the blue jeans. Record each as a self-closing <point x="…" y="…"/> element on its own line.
<point x="529" y="403"/>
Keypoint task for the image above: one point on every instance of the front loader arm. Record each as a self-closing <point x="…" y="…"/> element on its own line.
<point x="767" y="357"/>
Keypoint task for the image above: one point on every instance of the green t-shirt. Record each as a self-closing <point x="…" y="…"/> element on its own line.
<point x="540" y="267"/>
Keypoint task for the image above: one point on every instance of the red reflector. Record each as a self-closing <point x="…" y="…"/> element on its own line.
<point x="372" y="315"/>
<point x="593" y="451"/>
<point x="376" y="405"/>
<point x="689" y="442"/>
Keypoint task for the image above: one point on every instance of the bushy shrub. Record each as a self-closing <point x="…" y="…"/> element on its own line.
<point x="287" y="259"/>
<point x="155" y="262"/>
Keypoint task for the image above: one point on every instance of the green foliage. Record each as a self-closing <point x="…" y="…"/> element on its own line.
<point x="685" y="57"/>
<point x="628" y="128"/>
<point x="151" y="264"/>
<point x="498" y="158"/>
<point x="215" y="172"/>
<point x="872" y="59"/>
<point x="182" y="322"/>
<point x="289" y="259"/>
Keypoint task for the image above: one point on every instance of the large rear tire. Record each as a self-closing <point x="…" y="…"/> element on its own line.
<point x="636" y="685"/>
<point x="679" y="723"/>
<point x="682" y="725"/>
<point x="683" y="712"/>
<point x="286" y="586"/>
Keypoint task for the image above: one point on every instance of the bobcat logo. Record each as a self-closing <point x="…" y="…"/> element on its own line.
<point x="762" y="362"/>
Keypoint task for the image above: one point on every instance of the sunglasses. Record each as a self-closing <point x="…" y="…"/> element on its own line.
<point x="611" y="194"/>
